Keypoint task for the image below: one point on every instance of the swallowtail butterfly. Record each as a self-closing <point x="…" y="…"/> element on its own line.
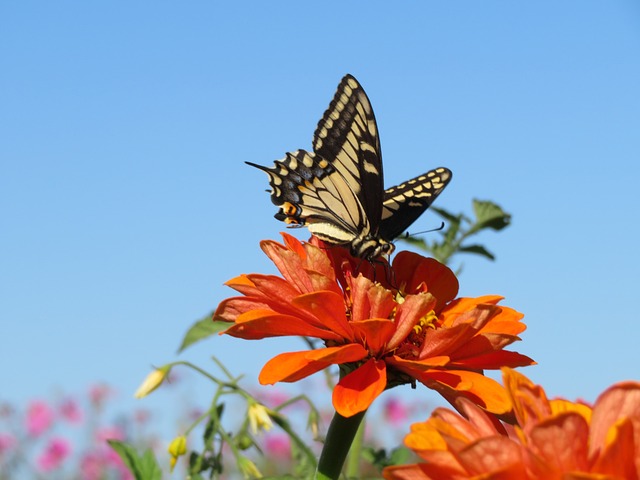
<point x="337" y="190"/>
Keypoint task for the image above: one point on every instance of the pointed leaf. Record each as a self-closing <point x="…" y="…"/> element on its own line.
<point x="448" y="216"/>
<point x="200" y="330"/>
<point x="489" y="215"/>
<point x="478" y="250"/>
<point x="142" y="468"/>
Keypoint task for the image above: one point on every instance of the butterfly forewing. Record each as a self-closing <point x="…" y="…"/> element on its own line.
<point x="347" y="137"/>
<point x="405" y="203"/>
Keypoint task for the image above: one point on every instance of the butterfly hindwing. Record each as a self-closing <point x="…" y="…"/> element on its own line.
<point x="309" y="191"/>
<point x="405" y="203"/>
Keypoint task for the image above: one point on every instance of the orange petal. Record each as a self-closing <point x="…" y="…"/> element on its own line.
<point x="293" y="366"/>
<point x="357" y="391"/>
<point x="230" y="308"/>
<point x="483" y="391"/>
<point x="495" y="457"/>
<point x="619" y="401"/>
<point x="370" y="300"/>
<point x="409" y="314"/>
<point x="329" y="309"/>
<point x="420" y="274"/>
<point x="257" y="324"/>
<point x="493" y="361"/>
<point x="274" y="288"/>
<point x="374" y="333"/>
<point x="406" y="472"/>
<point x="294" y="244"/>
<point x="413" y="366"/>
<point x="562" y="442"/>
<point x="288" y="262"/>
<point x="618" y="458"/>
<point x="457" y="334"/>
<point x="530" y="403"/>
<point x="318" y="261"/>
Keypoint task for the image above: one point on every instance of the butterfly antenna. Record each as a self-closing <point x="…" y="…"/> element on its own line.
<point x="407" y="234"/>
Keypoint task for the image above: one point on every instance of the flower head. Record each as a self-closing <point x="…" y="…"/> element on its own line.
<point x="39" y="417"/>
<point x="553" y="439"/>
<point x="383" y="324"/>
<point x="259" y="417"/>
<point x="56" y="451"/>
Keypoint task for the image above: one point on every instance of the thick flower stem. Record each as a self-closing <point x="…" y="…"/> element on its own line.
<point x="339" y="438"/>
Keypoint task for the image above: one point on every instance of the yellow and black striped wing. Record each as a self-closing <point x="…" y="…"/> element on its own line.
<point x="347" y="138"/>
<point x="310" y="191"/>
<point x="337" y="190"/>
<point x="405" y="203"/>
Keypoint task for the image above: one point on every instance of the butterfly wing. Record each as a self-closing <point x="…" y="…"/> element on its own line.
<point x="309" y="191"/>
<point x="405" y="203"/>
<point x="347" y="137"/>
<point x="336" y="191"/>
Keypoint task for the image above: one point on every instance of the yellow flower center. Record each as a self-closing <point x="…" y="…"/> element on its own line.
<point x="428" y="321"/>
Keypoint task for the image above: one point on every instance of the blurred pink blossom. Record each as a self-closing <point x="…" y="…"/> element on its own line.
<point x="272" y="398"/>
<point x="39" y="417"/>
<point x="91" y="466"/>
<point x="54" y="454"/>
<point x="395" y="411"/>
<point x="278" y="446"/>
<point x="70" y="410"/>
<point x="7" y="441"/>
<point x="109" y="433"/>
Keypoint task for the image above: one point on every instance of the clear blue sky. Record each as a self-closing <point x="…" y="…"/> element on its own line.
<point x="125" y="202"/>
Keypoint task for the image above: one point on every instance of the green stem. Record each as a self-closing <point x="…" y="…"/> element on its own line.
<point x="339" y="438"/>
<point x="355" y="453"/>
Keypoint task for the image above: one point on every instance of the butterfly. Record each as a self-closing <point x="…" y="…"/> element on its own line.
<point x="337" y="190"/>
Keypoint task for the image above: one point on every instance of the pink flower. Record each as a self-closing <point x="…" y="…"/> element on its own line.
<point x="39" y="417"/>
<point x="278" y="446"/>
<point x="395" y="411"/>
<point x="91" y="466"/>
<point x="7" y="441"/>
<point x="56" y="451"/>
<point x="110" y="433"/>
<point x="70" y="411"/>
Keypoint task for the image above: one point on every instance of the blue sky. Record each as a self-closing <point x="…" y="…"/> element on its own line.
<point x="125" y="201"/>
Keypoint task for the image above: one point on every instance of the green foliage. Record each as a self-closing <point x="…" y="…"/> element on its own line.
<point x="143" y="467"/>
<point x="202" y="329"/>
<point x="459" y="228"/>
<point x="381" y="459"/>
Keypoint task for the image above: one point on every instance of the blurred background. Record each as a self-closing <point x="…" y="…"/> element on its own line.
<point x="125" y="202"/>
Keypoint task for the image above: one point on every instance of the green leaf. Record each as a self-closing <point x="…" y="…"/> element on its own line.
<point x="478" y="250"/>
<point x="202" y="329"/>
<point x="490" y="215"/>
<point x="142" y="468"/>
<point x="400" y="456"/>
<point x="448" y="216"/>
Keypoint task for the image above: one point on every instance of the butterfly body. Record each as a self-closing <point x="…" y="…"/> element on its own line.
<point x="337" y="190"/>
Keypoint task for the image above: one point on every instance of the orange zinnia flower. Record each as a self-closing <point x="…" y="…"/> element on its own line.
<point x="553" y="439"/>
<point x="402" y="327"/>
